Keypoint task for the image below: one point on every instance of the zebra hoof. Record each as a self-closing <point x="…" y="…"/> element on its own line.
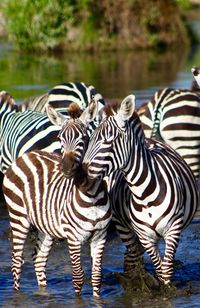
<point x="16" y="287"/>
<point x="78" y="293"/>
<point x="96" y="294"/>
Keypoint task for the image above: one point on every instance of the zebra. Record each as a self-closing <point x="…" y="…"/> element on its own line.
<point x="196" y="74"/>
<point x="172" y="116"/>
<point x="25" y="131"/>
<point x="60" y="97"/>
<point x="164" y="195"/>
<point x="53" y="193"/>
<point x="35" y="103"/>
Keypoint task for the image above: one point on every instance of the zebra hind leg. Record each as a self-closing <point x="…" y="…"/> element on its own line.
<point x="171" y="243"/>
<point x="150" y="246"/>
<point x="77" y="272"/>
<point x="40" y="255"/>
<point x="133" y="256"/>
<point x="19" y="234"/>
<point x="97" y="247"/>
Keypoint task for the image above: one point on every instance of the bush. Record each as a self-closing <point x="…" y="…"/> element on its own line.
<point x="36" y="24"/>
<point x="93" y="25"/>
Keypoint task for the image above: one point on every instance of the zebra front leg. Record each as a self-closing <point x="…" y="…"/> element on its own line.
<point x="77" y="272"/>
<point x="40" y="255"/>
<point x="97" y="247"/>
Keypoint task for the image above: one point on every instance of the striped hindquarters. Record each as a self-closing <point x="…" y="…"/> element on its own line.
<point x="173" y="116"/>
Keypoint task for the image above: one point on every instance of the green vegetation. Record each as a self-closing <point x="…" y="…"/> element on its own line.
<point x="42" y="25"/>
<point x="37" y="24"/>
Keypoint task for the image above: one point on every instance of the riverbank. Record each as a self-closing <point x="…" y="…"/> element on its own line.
<point x="96" y="26"/>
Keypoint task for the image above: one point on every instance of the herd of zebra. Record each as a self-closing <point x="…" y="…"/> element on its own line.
<point x="72" y="163"/>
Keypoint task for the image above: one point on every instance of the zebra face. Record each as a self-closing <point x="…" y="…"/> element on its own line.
<point x="74" y="141"/>
<point x="107" y="147"/>
<point x="103" y="149"/>
<point x="73" y="135"/>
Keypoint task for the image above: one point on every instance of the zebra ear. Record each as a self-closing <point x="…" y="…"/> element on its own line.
<point x="90" y="112"/>
<point x="126" y="109"/>
<point x="196" y="73"/>
<point x="54" y="116"/>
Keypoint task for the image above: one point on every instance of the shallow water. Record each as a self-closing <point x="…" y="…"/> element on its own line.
<point x="60" y="291"/>
<point x="115" y="76"/>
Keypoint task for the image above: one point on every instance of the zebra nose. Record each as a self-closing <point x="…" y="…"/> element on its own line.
<point x="69" y="166"/>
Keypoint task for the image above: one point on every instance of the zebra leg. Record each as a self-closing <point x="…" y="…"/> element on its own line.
<point x="20" y="231"/>
<point x="171" y="243"/>
<point x="133" y="256"/>
<point x="150" y="246"/>
<point x="77" y="272"/>
<point x="40" y="255"/>
<point x="97" y="247"/>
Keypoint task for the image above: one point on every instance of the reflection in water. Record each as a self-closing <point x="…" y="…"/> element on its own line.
<point x="115" y="75"/>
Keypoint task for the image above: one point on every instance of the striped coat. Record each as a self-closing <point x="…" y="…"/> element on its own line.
<point x="172" y="116"/>
<point x="54" y="194"/>
<point x="60" y="97"/>
<point x="29" y="130"/>
<point x="164" y="195"/>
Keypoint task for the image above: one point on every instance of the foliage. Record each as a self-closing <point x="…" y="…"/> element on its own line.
<point x="89" y="24"/>
<point x="184" y="4"/>
<point x="38" y="23"/>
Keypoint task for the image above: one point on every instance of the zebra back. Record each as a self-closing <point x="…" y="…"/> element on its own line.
<point x="61" y="96"/>
<point x="25" y="131"/>
<point x="35" y="103"/>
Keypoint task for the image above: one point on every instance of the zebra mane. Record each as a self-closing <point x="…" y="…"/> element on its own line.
<point x="111" y="108"/>
<point x="142" y="108"/>
<point x="74" y="110"/>
<point x="194" y="86"/>
<point x="6" y="98"/>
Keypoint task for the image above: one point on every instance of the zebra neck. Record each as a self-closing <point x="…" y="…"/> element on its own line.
<point x="142" y="168"/>
<point x="84" y="183"/>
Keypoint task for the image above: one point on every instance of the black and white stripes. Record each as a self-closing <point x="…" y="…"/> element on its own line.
<point x="164" y="194"/>
<point x="23" y="131"/>
<point x="172" y="116"/>
<point x="54" y="194"/>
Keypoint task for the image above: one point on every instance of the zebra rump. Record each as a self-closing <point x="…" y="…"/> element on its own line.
<point x="172" y="116"/>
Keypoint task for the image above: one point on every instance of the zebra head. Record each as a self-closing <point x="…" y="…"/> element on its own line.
<point x="109" y="146"/>
<point x="73" y="135"/>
